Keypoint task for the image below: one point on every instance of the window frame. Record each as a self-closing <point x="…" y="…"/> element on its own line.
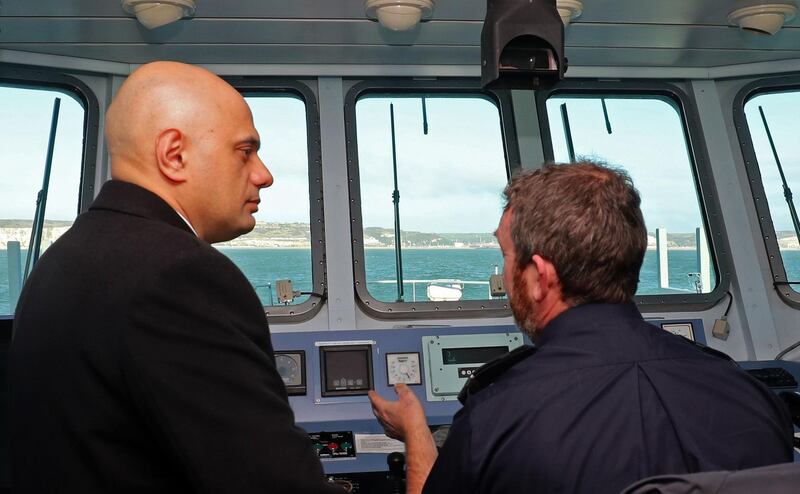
<point x="708" y="199"/>
<point x="781" y="283"/>
<point x="420" y="309"/>
<point x="252" y="86"/>
<point x="46" y="79"/>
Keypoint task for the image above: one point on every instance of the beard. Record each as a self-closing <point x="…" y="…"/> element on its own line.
<point x="522" y="307"/>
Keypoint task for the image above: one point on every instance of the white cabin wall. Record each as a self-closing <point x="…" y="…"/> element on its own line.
<point x="785" y="319"/>
<point x="751" y="307"/>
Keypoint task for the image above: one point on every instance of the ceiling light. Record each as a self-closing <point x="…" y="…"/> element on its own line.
<point x="157" y="13"/>
<point x="569" y="10"/>
<point x="765" y="19"/>
<point x="399" y="15"/>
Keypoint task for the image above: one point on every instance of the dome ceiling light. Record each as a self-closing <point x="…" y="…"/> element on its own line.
<point x="569" y="10"/>
<point x="764" y="19"/>
<point x="399" y="15"/>
<point x="152" y="14"/>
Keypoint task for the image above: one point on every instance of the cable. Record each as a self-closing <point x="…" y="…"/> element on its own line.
<point x="730" y="302"/>
<point x="313" y="293"/>
<point x="787" y="350"/>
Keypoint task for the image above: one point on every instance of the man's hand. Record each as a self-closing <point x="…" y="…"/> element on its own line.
<point x="399" y="418"/>
<point x="404" y="419"/>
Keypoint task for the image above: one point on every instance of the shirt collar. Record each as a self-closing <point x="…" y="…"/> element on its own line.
<point x="187" y="223"/>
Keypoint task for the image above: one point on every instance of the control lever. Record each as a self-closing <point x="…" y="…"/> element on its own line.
<point x="397" y="465"/>
<point x="397" y="472"/>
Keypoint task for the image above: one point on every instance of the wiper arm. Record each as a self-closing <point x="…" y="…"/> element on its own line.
<point x="396" y="201"/>
<point x="787" y="192"/>
<point x="41" y="198"/>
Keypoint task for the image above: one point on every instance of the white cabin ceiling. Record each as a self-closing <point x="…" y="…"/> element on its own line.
<point x="647" y="33"/>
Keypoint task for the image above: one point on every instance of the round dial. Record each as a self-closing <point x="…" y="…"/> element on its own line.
<point x="288" y="368"/>
<point x="403" y="368"/>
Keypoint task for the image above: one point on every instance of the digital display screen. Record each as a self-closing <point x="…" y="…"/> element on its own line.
<point x="346" y="370"/>
<point x="475" y="355"/>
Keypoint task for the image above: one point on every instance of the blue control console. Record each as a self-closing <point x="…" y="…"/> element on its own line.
<point x="329" y="373"/>
<point x="335" y="362"/>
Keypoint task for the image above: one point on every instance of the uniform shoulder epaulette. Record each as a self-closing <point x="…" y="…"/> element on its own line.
<point x="490" y="371"/>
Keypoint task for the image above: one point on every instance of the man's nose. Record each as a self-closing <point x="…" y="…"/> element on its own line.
<point x="262" y="177"/>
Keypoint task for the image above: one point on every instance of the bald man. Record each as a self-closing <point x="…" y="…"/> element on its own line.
<point x="141" y="360"/>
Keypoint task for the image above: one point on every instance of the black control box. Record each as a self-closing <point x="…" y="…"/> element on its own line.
<point x="339" y="444"/>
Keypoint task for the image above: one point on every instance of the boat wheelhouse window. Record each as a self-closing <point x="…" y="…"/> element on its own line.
<point x="26" y="120"/>
<point x="431" y="170"/>
<point x="645" y="136"/>
<point x="279" y="247"/>
<point x="772" y="122"/>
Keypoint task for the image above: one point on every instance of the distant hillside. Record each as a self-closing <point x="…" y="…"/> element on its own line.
<point x="20" y="230"/>
<point x="675" y="240"/>
<point x="275" y="235"/>
<point x="787" y="239"/>
<point x="298" y="235"/>
<point x="27" y="223"/>
<point x="384" y="237"/>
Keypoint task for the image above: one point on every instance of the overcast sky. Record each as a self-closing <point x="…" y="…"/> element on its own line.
<point x="450" y="180"/>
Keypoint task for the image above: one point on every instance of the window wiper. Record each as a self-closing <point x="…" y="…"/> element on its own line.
<point x="567" y="132"/>
<point x="605" y="115"/>
<point x="396" y="202"/>
<point x="34" y="246"/>
<point x="787" y="192"/>
<point x="424" y="117"/>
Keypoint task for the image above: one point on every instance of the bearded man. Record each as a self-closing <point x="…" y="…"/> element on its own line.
<point x="605" y="398"/>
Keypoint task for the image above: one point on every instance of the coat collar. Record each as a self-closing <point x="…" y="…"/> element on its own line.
<point x="591" y="323"/>
<point x="128" y="198"/>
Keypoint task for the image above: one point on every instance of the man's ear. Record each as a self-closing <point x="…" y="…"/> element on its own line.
<point x="170" y="148"/>
<point x="546" y="278"/>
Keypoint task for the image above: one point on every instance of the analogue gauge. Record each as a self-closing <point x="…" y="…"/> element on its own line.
<point x="288" y="368"/>
<point x="403" y="368"/>
<point x="291" y="367"/>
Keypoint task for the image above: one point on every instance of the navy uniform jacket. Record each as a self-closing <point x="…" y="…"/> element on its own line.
<point x="608" y="399"/>
<point x="142" y="363"/>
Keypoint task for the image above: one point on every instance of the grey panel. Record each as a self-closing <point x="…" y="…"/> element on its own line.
<point x="671" y="58"/>
<point x="262" y="54"/>
<point x="388" y="55"/>
<point x="341" y="299"/>
<point x="701" y="12"/>
<point x="672" y="36"/>
<point x="342" y="32"/>
<point x="610" y="33"/>
<point x="330" y="9"/>
<point x="345" y="32"/>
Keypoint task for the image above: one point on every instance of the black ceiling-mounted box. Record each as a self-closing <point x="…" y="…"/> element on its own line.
<point x="522" y="45"/>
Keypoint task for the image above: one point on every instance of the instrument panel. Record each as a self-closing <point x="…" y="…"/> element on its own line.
<point x="311" y="363"/>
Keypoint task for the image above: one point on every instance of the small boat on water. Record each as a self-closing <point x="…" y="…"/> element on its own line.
<point x="445" y="290"/>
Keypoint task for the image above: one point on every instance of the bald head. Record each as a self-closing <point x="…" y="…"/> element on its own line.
<point x="183" y="133"/>
<point x="158" y="96"/>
